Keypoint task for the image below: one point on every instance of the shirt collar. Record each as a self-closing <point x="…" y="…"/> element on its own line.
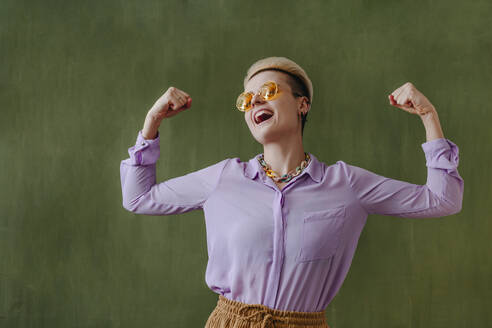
<point x="314" y="168"/>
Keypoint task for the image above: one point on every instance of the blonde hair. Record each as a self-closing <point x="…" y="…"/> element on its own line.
<point x="298" y="79"/>
<point x="282" y="64"/>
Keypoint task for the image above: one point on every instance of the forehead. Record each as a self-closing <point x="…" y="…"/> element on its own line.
<point x="260" y="78"/>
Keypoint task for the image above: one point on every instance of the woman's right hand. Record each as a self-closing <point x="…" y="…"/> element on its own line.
<point x="172" y="102"/>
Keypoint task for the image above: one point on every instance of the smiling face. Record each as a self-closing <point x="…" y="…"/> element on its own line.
<point x="285" y="107"/>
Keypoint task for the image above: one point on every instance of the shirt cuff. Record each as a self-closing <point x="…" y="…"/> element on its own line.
<point x="441" y="153"/>
<point x="145" y="152"/>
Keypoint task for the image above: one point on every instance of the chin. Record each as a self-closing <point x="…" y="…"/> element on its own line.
<point x="264" y="136"/>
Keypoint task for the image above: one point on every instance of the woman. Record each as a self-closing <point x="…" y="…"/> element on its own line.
<point x="283" y="227"/>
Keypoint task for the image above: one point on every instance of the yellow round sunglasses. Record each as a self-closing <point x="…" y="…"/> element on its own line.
<point x="268" y="91"/>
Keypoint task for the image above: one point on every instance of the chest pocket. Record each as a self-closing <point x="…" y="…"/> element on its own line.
<point x="321" y="234"/>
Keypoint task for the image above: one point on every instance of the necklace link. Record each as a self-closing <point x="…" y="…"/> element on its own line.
<point x="288" y="176"/>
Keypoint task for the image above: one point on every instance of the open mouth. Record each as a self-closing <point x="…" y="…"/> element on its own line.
<point x="263" y="117"/>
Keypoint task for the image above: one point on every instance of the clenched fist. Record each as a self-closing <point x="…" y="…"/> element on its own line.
<point x="408" y="98"/>
<point x="172" y="102"/>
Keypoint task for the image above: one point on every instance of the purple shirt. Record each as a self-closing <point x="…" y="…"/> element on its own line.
<point x="288" y="249"/>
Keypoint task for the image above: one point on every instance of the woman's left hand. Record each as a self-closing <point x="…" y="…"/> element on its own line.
<point x="408" y="98"/>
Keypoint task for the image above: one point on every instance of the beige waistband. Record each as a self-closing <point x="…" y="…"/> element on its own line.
<point x="234" y="314"/>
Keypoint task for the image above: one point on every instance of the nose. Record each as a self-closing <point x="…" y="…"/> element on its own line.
<point x="257" y="99"/>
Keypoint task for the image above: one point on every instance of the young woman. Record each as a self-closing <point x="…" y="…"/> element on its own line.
<point x="282" y="228"/>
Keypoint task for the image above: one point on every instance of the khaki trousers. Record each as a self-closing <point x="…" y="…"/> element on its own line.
<point x="233" y="314"/>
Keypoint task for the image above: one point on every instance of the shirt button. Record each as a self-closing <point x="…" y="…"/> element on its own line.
<point x="143" y="143"/>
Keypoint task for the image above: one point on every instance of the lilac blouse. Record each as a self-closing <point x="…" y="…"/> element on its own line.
<point x="288" y="249"/>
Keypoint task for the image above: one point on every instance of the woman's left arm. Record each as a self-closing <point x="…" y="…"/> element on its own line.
<point x="442" y="194"/>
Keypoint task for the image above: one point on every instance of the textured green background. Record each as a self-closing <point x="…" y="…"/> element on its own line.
<point x="77" y="79"/>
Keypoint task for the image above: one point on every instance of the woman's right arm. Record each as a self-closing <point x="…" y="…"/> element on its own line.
<point x="141" y="193"/>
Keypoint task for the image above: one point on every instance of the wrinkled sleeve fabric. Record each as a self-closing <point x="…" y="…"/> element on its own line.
<point x="442" y="194"/>
<point x="141" y="193"/>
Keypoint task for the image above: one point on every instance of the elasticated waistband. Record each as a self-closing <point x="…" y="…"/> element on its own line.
<point x="267" y="316"/>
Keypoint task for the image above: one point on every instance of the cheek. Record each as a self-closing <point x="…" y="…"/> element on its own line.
<point x="285" y="115"/>
<point x="247" y="119"/>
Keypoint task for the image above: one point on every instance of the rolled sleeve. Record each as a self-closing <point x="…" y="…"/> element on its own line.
<point x="144" y="152"/>
<point x="443" y="178"/>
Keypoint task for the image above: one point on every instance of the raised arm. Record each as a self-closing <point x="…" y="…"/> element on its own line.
<point x="141" y="193"/>
<point x="442" y="194"/>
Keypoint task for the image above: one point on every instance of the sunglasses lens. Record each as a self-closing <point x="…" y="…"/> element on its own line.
<point x="268" y="90"/>
<point x="243" y="102"/>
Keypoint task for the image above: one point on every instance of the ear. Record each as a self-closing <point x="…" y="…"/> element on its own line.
<point x="305" y="106"/>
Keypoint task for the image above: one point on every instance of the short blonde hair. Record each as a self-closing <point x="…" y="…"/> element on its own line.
<point x="282" y="64"/>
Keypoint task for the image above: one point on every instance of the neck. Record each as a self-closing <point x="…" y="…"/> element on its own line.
<point x="284" y="157"/>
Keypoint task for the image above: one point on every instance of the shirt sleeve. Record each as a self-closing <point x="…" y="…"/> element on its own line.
<point x="141" y="193"/>
<point x="442" y="194"/>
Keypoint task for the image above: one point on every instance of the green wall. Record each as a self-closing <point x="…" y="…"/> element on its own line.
<point x="78" y="77"/>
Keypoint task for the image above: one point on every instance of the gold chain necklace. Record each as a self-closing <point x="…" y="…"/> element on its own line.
<point x="288" y="176"/>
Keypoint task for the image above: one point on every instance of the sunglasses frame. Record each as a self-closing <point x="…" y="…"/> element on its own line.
<point x="276" y="95"/>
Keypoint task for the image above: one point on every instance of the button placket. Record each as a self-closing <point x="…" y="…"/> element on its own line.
<point x="278" y="248"/>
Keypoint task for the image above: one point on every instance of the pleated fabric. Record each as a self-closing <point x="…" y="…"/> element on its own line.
<point x="234" y="314"/>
